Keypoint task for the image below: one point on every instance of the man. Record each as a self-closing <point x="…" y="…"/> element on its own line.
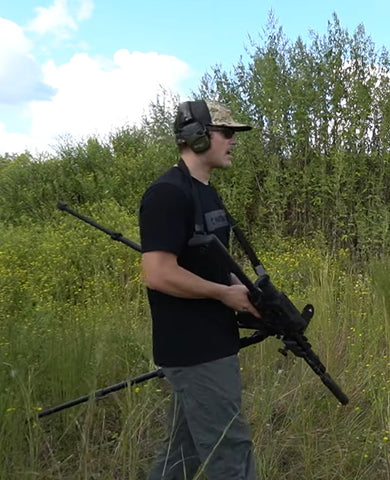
<point x="193" y="302"/>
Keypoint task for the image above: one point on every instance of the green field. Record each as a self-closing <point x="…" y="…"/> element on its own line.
<point x="75" y="319"/>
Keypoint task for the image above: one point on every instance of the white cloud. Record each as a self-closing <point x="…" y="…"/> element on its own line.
<point x="13" y="142"/>
<point x="81" y="97"/>
<point x="84" y="10"/>
<point x="13" y="35"/>
<point x="21" y="78"/>
<point x="96" y="96"/>
<point x="61" y="18"/>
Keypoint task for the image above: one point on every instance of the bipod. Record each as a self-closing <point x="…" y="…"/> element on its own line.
<point x="103" y="392"/>
<point x="114" y="235"/>
<point x="256" y="337"/>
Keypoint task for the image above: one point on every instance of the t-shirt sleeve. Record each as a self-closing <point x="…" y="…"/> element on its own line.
<point x="165" y="219"/>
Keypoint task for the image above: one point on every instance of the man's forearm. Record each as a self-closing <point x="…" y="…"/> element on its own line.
<point x="182" y="283"/>
<point x="163" y="273"/>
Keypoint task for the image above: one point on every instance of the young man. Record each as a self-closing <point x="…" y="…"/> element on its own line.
<point x="193" y="302"/>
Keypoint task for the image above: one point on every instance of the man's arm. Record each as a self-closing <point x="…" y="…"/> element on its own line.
<point x="163" y="273"/>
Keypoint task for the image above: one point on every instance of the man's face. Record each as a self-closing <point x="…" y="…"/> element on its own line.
<point x="222" y="144"/>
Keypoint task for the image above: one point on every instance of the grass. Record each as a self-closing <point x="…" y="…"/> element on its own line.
<point x="74" y="318"/>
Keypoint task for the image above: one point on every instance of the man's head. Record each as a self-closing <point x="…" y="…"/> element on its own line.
<point x="195" y="120"/>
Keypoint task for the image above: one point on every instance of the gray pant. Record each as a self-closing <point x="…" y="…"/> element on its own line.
<point x="206" y="430"/>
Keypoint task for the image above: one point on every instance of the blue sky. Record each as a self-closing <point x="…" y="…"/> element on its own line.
<point x="83" y="67"/>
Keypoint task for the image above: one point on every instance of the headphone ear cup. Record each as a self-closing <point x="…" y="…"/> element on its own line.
<point x="196" y="137"/>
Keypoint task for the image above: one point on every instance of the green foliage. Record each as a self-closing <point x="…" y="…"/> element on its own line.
<point x="75" y="319"/>
<point x="317" y="159"/>
<point x="87" y="172"/>
<point x="70" y="303"/>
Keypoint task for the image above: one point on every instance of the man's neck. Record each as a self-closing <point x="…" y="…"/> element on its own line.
<point x="197" y="167"/>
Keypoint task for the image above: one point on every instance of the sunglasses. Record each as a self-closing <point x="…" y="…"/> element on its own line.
<point x="226" y="132"/>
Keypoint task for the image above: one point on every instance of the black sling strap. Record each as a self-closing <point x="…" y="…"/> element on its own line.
<point x="198" y="223"/>
<point x="239" y="234"/>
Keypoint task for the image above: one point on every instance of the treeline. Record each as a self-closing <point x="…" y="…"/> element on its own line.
<point x="316" y="164"/>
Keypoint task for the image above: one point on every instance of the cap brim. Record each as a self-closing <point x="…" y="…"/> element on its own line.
<point x="238" y="127"/>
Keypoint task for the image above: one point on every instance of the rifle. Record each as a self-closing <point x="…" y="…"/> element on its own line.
<point x="280" y="318"/>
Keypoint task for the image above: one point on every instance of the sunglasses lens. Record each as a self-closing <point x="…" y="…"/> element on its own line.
<point x="227" y="133"/>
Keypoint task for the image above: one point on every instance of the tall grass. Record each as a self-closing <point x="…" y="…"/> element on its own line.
<point x="74" y="318"/>
<point x="300" y="430"/>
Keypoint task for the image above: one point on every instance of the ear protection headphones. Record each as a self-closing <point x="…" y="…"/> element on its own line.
<point x="190" y="125"/>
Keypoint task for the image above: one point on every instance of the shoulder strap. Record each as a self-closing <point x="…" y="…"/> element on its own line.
<point x="247" y="247"/>
<point x="242" y="240"/>
<point x="198" y="223"/>
<point x="239" y="234"/>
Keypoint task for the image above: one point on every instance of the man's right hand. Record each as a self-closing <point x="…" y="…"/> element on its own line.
<point x="236" y="297"/>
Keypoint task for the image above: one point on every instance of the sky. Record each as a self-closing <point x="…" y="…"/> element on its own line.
<point x="70" y="69"/>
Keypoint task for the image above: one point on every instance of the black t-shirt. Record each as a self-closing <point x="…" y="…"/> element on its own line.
<point x="186" y="331"/>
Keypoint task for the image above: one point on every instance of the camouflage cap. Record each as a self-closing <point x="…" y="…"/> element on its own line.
<point x="208" y="114"/>
<point x="221" y="117"/>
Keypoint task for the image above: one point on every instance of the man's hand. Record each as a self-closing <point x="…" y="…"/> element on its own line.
<point x="236" y="297"/>
<point x="162" y="272"/>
